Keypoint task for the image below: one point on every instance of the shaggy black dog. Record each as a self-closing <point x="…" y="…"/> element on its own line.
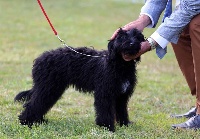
<point x="110" y="77"/>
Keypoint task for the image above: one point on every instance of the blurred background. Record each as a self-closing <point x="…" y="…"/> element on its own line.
<point x="25" y="34"/>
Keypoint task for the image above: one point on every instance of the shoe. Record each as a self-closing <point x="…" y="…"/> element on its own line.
<point x="189" y="114"/>
<point x="192" y="123"/>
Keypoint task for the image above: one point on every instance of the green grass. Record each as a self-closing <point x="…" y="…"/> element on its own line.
<point x="25" y="34"/>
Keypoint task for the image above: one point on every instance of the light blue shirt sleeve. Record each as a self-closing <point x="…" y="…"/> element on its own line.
<point x="172" y="27"/>
<point x="181" y="16"/>
<point x="153" y="9"/>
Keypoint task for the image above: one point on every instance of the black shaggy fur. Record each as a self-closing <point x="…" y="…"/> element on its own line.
<point x="110" y="78"/>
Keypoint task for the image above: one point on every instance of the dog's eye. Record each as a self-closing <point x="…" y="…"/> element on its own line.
<point x="131" y="44"/>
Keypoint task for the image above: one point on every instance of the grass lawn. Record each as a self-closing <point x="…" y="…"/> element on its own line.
<point x="25" y="34"/>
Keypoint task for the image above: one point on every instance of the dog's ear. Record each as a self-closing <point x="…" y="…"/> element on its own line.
<point x="111" y="48"/>
<point x="110" y="45"/>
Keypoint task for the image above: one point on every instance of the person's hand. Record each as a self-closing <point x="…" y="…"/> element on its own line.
<point x="139" y="24"/>
<point x="145" y="47"/>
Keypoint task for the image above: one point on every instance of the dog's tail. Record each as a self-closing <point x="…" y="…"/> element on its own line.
<point x="23" y="96"/>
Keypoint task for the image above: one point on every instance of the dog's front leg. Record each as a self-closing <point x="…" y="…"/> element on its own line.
<point x="121" y="110"/>
<point x="104" y="106"/>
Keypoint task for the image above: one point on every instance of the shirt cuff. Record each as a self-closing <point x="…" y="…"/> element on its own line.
<point x="152" y="22"/>
<point x="159" y="39"/>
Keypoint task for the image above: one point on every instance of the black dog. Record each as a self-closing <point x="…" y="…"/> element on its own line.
<point x="111" y="77"/>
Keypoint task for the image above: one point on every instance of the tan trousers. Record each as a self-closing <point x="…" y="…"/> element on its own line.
<point x="187" y="52"/>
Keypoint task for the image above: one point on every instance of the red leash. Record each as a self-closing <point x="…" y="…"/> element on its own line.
<point x="55" y="32"/>
<point x="45" y="14"/>
<point x="51" y="25"/>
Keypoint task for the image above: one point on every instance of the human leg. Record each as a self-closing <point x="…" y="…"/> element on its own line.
<point x="183" y="53"/>
<point x="194" y="32"/>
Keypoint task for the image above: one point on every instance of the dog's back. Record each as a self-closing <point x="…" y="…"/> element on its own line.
<point x="66" y="67"/>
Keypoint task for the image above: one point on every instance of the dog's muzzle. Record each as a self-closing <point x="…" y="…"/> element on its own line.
<point x="127" y="57"/>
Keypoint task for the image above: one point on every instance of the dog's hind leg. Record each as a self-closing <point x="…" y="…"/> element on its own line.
<point x="43" y="98"/>
<point x="105" y="111"/>
<point x="121" y="110"/>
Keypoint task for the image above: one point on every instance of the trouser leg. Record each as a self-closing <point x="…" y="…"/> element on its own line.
<point x="194" y="31"/>
<point x="187" y="52"/>
<point x="183" y="53"/>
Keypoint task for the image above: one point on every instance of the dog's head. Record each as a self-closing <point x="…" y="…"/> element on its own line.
<point x="126" y="43"/>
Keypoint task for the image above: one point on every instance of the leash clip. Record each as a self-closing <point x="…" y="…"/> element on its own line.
<point x="60" y="39"/>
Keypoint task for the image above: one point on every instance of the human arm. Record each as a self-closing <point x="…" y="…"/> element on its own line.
<point x="146" y="46"/>
<point x="170" y="30"/>
<point x="145" y="20"/>
<point x="140" y="24"/>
